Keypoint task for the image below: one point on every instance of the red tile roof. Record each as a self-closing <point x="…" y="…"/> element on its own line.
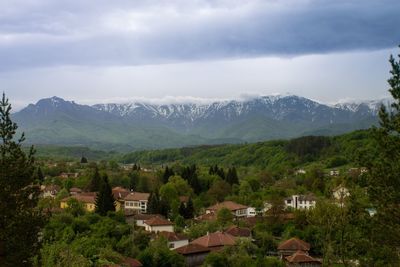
<point x="301" y="257"/>
<point x="136" y="196"/>
<point x="144" y="216"/>
<point x="207" y="217"/>
<point x="238" y="231"/>
<point x="192" y="249"/>
<point x="88" y="197"/>
<point x="155" y="221"/>
<point x="230" y="205"/>
<point x="120" y="192"/>
<point x="294" y="244"/>
<point x="171" y="236"/>
<point x="216" y="239"/>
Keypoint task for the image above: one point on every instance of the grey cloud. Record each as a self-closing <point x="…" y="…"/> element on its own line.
<point x="52" y="33"/>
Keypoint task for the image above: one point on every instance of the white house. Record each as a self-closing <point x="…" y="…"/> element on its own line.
<point x="157" y="224"/>
<point x="136" y="201"/>
<point x="175" y="240"/>
<point x="238" y="210"/>
<point x="300" y="171"/>
<point x="334" y="172"/>
<point x="251" y="212"/>
<point x="340" y="193"/>
<point x="300" y="201"/>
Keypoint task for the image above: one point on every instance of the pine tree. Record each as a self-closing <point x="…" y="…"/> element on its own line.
<point x="105" y="201"/>
<point x="39" y="175"/>
<point x="189" y="211"/>
<point x="133" y="180"/>
<point x="167" y="173"/>
<point x="384" y="178"/>
<point x="95" y="182"/>
<point x="153" y="206"/>
<point x="182" y="210"/>
<point x="231" y="176"/>
<point x="84" y="160"/>
<point x="20" y="220"/>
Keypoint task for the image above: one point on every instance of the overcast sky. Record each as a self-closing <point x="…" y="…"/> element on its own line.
<point x="190" y="50"/>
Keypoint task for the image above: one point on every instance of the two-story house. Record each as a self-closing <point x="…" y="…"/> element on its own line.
<point x="300" y="201"/>
<point x="238" y="210"/>
<point x="136" y="202"/>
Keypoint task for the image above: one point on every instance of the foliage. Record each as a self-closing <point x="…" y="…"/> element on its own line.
<point x="105" y="201"/>
<point x="20" y="220"/>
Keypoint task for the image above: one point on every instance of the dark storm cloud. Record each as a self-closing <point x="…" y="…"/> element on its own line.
<point x="110" y="33"/>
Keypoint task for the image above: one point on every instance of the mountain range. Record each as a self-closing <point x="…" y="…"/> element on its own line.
<point x="139" y="125"/>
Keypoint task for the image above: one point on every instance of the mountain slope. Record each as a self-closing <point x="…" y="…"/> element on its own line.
<point x="135" y="126"/>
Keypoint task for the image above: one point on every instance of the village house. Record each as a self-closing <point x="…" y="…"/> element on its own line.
<point x="215" y="241"/>
<point x="175" y="240"/>
<point x="340" y="193"/>
<point x="140" y="218"/>
<point x="238" y="210"/>
<point x="119" y="194"/>
<point x="302" y="259"/>
<point x="300" y="201"/>
<point x="334" y="173"/>
<point x="157" y="224"/>
<point x="239" y="232"/>
<point x="194" y="254"/>
<point x="88" y="199"/>
<point x="75" y="191"/>
<point x="49" y="191"/>
<point x="300" y="171"/>
<point x="66" y="175"/>
<point x="136" y="202"/>
<point x="291" y="246"/>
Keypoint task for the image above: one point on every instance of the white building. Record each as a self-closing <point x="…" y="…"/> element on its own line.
<point x="175" y="240"/>
<point x="136" y="201"/>
<point x="340" y="193"/>
<point x="334" y="172"/>
<point x="238" y="210"/>
<point x="300" y="202"/>
<point x="157" y="224"/>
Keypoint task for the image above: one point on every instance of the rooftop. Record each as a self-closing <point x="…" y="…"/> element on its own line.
<point x="192" y="249"/>
<point x="155" y="221"/>
<point x="172" y="236"/>
<point x="136" y="196"/>
<point x="230" y="205"/>
<point x="301" y="257"/>
<point x="215" y="239"/>
<point x="294" y="244"/>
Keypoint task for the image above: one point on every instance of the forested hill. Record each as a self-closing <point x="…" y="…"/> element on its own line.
<point x="282" y="154"/>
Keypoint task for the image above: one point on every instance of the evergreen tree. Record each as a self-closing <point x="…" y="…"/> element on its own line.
<point x="182" y="210"/>
<point x="189" y="211"/>
<point x="39" y="175"/>
<point x="105" y="201"/>
<point x="95" y="182"/>
<point x="135" y="167"/>
<point x="153" y="206"/>
<point x="84" y="160"/>
<point x="231" y="176"/>
<point x="384" y="177"/>
<point x="133" y="180"/>
<point x="20" y="220"/>
<point x="167" y="173"/>
<point x="195" y="184"/>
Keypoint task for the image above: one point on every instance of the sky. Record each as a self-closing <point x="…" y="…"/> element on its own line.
<point x="98" y="51"/>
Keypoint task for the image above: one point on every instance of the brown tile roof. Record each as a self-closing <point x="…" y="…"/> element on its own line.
<point x="238" y="231"/>
<point x="294" y="244"/>
<point x="301" y="257"/>
<point x="230" y="205"/>
<point x="207" y="217"/>
<point x="136" y="196"/>
<point x="88" y="197"/>
<point x="184" y="199"/>
<point x="171" y="236"/>
<point x="128" y="262"/>
<point x="120" y="192"/>
<point x="143" y="216"/>
<point x="192" y="249"/>
<point x="216" y="239"/>
<point x="75" y="190"/>
<point x="157" y="221"/>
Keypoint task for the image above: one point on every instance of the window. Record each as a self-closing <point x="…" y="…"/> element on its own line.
<point x="171" y="245"/>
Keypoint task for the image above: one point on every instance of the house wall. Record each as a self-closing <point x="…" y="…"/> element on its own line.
<point x="177" y="244"/>
<point x="194" y="260"/>
<point x="140" y="206"/>
<point x="159" y="228"/>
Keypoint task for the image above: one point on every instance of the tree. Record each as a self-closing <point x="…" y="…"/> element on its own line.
<point x="384" y="177"/>
<point x="153" y="206"/>
<point x="95" y="181"/>
<point x="84" y="160"/>
<point x="105" y="201"/>
<point x="167" y="173"/>
<point x="182" y="210"/>
<point x="39" y="175"/>
<point x="189" y="212"/>
<point x="224" y="217"/>
<point x="133" y="179"/>
<point x="219" y="190"/>
<point x="231" y="176"/>
<point x="20" y="220"/>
